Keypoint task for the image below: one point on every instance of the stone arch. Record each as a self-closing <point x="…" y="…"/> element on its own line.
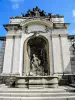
<point x="45" y="22"/>
<point x="35" y="47"/>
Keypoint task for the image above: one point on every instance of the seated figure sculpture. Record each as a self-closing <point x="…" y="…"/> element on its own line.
<point x="36" y="68"/>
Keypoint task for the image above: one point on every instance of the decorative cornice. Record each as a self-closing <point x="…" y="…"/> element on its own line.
<point x="13" y="35"/>
<point x="46" y="23"/>
<point x="60" y="25"/>
<point x="59" y="35"/>
<point x="12" y="27"/>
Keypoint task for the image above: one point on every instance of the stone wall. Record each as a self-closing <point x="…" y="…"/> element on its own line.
<point x="72" y="56"/>
<point x="2" y="51"/>
<point x="57" y="55"/>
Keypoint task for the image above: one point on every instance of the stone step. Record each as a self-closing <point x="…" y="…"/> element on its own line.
<point x="60" y="93"/>
<point x="38" y="98"/>
<point x="36" y="94"/>
<point x="32" y="91"/>
<point x="21" y="90"/>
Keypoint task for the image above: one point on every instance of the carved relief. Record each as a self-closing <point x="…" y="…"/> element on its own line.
<point x="36" y="32"/>
<point x="26" y="29"/>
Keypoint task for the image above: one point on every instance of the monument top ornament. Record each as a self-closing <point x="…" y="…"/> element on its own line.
<point x="37" y="12"/>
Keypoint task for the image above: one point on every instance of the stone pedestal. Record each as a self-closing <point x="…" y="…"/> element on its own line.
<point x="37" y="81"/>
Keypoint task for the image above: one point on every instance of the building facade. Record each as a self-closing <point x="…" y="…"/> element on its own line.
<point x="38" y="49"/>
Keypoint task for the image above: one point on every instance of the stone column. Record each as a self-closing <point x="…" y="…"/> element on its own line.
<point x="16" y="55"/>
<point x="24" y="36"/>
<point x="11" y="58"/>
<point x="26" y="69"/>
<point x="7" y="67"/>
<point x="51" y="56"/>
<point x="61" y="54"/>
<point x="21" y="57"/>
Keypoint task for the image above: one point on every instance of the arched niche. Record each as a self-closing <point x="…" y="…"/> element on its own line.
<point x="39" y="46"/>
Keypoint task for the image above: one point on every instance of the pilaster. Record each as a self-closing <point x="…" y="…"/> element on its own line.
<point x="7" y="67"/>
<point x="16" y="55"/>
<point x="61" y="54"/>
<point x="51" y="56"/>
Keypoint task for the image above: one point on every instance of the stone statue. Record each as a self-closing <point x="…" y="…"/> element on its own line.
<point x="36" y="69"/>
<point x="35" y="61"/>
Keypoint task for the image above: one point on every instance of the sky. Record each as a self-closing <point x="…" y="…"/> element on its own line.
<point x="10" y="8"/>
